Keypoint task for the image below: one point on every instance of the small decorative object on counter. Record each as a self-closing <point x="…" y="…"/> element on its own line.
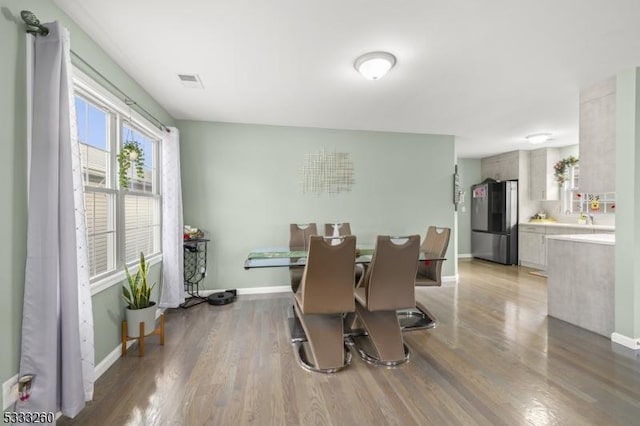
<point x="582" y="219"/>
<point x="560" y="168"/>
<point x="541" y="217"/>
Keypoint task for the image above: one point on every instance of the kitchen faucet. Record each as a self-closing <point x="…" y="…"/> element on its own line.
<point x="591" y="219"/>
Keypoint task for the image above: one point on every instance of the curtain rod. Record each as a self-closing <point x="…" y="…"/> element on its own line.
<point x="36" y="28"/>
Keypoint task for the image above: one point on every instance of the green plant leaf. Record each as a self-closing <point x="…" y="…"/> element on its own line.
<point x="136" y="292"/>
<point x="124" y="162"/>
<point x="126" y="294"/>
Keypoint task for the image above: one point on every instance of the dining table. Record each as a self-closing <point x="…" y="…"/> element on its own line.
<point x="280" y="256"/>
<point x="274" y="257"/>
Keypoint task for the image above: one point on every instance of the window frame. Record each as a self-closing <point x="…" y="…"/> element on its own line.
<point x="155" y="179"/>
<point x="120" y="114"/>
<point x="571" y="191"/>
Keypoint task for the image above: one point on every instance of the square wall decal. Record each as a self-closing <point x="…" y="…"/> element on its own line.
<point x="327" y="173"/>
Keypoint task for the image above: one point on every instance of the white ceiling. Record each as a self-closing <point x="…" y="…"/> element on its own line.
<point x="487" y="71"/>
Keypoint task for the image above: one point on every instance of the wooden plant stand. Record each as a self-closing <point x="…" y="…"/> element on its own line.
<point x="158" y="331"/>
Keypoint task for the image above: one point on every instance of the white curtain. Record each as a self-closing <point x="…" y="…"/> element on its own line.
<point x="172" y="223"/>
<point x="57" y="323"/>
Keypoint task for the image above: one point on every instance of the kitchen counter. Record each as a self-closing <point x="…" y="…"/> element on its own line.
<point x="571" y="225"/>
<point x="533" y="239"/>
<point x="605" y="239"/>
<point x="581" y="280"/>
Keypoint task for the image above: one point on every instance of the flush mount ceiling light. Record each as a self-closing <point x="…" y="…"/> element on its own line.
<point x="374" y="65"/>
<point x="537" y="138"/>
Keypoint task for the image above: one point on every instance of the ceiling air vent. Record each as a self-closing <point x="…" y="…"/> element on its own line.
<point x="191" y="81"/>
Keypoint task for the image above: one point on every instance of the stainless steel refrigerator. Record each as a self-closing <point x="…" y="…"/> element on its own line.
<point x="494" y="221"/>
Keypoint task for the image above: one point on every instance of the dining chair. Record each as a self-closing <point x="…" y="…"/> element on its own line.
<point x="343" y="229"/>
<point x="435" y="243"/>
<point x="387" y="286"/>
<point x="299" y="240"/>
<point x="325" y="294"/>
<point x="299" y="235"/>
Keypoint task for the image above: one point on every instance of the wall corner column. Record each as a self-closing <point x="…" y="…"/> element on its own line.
<point x="627" y="249"/>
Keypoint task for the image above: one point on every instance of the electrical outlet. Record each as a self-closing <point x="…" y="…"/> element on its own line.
<point x="9" y="392"/>
<point x="24" y="387"/>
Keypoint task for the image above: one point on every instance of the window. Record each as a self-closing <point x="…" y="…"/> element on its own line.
<point x="121" y="223"/>
<point x="570" y="194"/>
<point x="577" y="202"/>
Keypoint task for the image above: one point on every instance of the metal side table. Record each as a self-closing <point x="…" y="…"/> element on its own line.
<point x="195" y="269"/>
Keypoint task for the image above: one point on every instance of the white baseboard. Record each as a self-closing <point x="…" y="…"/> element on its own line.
<point x="265" y="290"/>
<point x="465" y="256"/>
<point x="629" y="342"/>
<point x="252" y="290"/>
<point x="116" y="353"/>
<point x="533" y="265"/>
<point x="110" y="359"/>
<point x="450" y="281"/>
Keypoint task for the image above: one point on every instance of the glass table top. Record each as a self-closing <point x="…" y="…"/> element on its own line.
<point x="283" y="257"/>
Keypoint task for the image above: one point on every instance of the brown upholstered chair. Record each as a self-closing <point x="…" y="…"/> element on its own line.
<point x="343" y="229"/>
<point x="387" y="286"/>
<point x="435" y="243"/>
<point x="299" y="235"/>
<point x="299" y="240"/>
<point x="324" y="295"/>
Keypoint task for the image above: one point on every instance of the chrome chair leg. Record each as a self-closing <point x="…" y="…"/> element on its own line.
<point x="370" y="359"/>
<point x="302" y="359"/>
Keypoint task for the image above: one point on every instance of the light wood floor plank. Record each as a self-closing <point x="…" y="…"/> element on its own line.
<point x="495" y="358"/>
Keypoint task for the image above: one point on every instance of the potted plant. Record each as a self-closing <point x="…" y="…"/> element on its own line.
<point x="137" y="294"/>
<point x="131" y="153"/>
<point x="561" y="168"/>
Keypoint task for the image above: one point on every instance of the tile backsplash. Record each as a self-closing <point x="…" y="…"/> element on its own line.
<point x="553" y="209"/>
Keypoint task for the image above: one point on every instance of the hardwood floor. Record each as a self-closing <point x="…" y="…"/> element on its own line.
<point x="495" y="358"/>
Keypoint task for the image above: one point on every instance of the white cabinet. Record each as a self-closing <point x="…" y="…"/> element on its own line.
<point x="501" y="167"/>
<point x="533" y="244"/>
<point x="543" y="184"/>
<point x="598" y="138"/>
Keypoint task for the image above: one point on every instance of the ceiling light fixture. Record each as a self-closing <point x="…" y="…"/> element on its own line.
<point x="537" y="138"/>
<point x="374" y="65"/>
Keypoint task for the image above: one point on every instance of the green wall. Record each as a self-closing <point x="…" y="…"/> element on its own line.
<point x="241" y="184"/>
<point x="469" y="171"/>
<point x="627" y="294"/>
<point x="108" y="307"/>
